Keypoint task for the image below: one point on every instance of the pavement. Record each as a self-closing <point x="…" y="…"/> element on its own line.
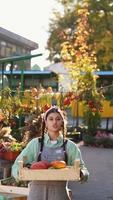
<point x="99" y="162"/>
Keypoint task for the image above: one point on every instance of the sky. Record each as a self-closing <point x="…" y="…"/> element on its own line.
<point x="30" y="19"/>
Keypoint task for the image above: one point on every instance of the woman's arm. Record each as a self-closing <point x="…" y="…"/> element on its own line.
<point x="29" y="153"/>
<point x="74" y="153"/>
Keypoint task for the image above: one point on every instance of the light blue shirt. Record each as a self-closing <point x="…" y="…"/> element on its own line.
<point x="33" y="147"/>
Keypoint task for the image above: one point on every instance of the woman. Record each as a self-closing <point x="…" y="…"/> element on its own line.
<point x="52" y="146"/>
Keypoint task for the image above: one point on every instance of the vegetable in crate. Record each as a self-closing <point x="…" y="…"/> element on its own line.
<point x="40" y="165"/>
<point x="58" y="164"/>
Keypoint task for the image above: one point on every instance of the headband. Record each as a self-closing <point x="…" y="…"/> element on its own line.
<point x="58" y="110"/>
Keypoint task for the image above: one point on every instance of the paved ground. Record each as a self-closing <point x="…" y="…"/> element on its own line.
<point x="100" y="185"/>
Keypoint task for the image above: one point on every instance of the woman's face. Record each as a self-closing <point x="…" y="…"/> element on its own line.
<point x="54" y="122"/>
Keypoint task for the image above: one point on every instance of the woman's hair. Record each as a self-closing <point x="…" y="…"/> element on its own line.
<point x="54" y="109"/>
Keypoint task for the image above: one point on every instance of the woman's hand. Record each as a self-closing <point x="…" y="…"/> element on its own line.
<point x="84" y="174"/>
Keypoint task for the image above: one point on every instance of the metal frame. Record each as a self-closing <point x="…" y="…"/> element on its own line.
<point x="11" y="60"/>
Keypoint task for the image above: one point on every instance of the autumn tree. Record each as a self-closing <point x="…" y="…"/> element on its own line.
<point x="57" y="27"/>
<point x="100" y="19"/>
<point x="80" y="59"/>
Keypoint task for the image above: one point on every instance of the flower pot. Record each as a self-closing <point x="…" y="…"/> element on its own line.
<point x="11" y="155"/>
<point x="1" y="155"/>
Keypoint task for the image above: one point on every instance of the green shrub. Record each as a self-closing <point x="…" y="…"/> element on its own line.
<point x="88" y="139"/>
<point x="105" y="142"/>
<point x="92" y="121"/>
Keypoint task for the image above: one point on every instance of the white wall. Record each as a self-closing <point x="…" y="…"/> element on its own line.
<point x="64" y="82"/>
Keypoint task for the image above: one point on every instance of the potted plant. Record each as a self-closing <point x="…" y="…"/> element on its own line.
<point x="4" y="133"/>
<point x="13" y="149"/>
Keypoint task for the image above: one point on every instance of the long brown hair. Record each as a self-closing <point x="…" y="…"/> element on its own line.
<point x="53" y="109"/>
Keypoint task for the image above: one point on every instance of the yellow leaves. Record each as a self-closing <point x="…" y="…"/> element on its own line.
<point x="83" y="11"/>
<point x="72" y="52"/>
<point x="60" y="77"/>
<point x="67" y="51"/>
<point x="27" y="93"/>
<point x="15" y="146"/>
<point x="2" y="117"/>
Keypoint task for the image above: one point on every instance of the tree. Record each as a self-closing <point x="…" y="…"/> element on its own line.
<point x="80" y="59"/>
<point x="57" y="27"/>
<point x="100" y="19"/>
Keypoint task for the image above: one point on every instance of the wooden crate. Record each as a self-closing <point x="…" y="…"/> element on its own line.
<point x="68" y="173"/>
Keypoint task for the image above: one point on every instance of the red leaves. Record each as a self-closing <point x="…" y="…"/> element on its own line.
<point x="46" y="107"/>
<point x="95" y="106"/>
<point x="67" y="101"/>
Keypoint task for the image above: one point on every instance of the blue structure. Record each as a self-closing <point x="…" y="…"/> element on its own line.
<point x="31" y="78"/>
